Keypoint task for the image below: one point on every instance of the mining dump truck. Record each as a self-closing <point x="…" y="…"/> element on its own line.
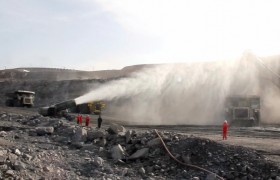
<point x="243" y="110"/>
<point x="20" y="98"/>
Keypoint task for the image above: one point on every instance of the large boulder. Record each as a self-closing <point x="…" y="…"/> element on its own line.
<point x="12" y="158"/>
<point x="3" y="115"/>
<point x="116" y="129"/>
<point x="100" y="141"/>
<point x="154" y="142"/>
<point x="67" y="130"/>
<point x="3" y="159"/>
<point x="98" y="161"/>
<point x="17" y="152"/>
<point x="3" y="134"/>
<point x="80" y="135"/>
<point x="211" y="177"/>
<point x="19" y="166"/>
<point x="139" y="154"/>
<point x="10" y="173"/>
<point x="128" y="135"/>
<point x="77" y="144"/>
<point x="41" y="131"/>
<point x="27" y="157"/>
<point x="3" y="152"/>
<point x="117" y="152"/>
<point x="95" y="134"/>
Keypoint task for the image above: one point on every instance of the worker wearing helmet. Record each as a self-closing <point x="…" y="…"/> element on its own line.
<point x="87" y="120"/>
<point x="99" y="121"/>
<point x="225" y="129"/>
<point x="81" y="119"/>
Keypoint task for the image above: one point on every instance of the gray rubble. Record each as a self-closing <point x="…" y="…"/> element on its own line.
<point x="141" y="153"/>
<point x="41" y="131"/>
<point x="117" y="152"/>
<point x="51" y="148"/>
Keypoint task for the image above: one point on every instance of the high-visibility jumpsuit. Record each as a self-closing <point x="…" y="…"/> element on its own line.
<point x="78" y="119"/>
<point x="81" y="120"/>
<point x="225" y="129"/>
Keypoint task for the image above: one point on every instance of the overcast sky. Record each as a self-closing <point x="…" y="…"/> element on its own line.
<point x="111" y="34"/>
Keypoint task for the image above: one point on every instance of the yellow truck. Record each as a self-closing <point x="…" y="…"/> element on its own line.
<point x="95" y="107"/>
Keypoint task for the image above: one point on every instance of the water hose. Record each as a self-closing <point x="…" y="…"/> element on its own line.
<point x="180" y="162"/>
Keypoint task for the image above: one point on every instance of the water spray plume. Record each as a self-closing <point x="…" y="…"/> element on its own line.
<point x="179" y="93"/>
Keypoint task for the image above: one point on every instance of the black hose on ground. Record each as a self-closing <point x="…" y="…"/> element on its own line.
<point x="180" y="162"/>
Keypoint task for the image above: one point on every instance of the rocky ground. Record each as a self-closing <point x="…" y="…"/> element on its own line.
<point x="36" y="147"/>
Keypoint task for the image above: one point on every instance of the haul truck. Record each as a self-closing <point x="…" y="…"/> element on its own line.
<point x="20" y="98"/>
<point x="243" y="110"/>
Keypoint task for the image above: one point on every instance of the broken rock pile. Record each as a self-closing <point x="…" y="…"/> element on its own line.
<point x="52" y="148"/>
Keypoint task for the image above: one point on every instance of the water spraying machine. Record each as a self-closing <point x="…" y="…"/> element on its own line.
<point x="62" y="109"/>
<point x="57" y="109"/>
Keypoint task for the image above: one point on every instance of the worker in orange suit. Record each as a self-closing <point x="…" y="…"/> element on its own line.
<point x="87" y="120"/>
<point x="225" y="129"/>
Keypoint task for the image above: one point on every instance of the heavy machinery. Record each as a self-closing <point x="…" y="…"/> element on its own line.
<point x="63" y="108"/>
<point x="90" y="108"/>
<point x="58" y="109"/>
<point x="20" y="98"/>
<point x="243" y="110"/>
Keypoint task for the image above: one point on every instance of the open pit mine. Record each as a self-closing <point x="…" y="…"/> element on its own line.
<point x="159" y="122"/>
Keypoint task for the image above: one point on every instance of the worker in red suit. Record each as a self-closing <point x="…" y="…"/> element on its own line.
<point x="78" y="118"/>
<point x="225" y="129"/>
<point x="87" y="120"/>
<point x="81" y="120"/>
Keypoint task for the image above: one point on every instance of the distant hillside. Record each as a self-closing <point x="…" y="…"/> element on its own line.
<point x="55" y="74"/>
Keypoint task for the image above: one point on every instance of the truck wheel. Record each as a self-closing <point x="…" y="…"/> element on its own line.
<point x="29" y="105"/>
<point x="16" y="103"/>
<point x="9" y="103"/>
